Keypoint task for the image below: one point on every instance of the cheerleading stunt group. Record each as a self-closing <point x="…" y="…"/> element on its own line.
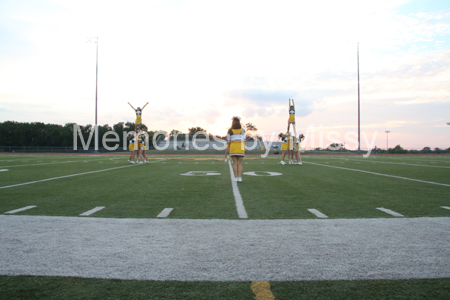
<point x="236" y="139"/>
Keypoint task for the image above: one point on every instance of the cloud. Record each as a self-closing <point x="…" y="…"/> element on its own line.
<point x="264" y="102"/>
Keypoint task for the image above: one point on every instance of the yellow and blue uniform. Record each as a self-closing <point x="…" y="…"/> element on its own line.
<point x="286" y="142"/>
<point x="294" y="141"/>
<point x="291" y="111"/>
<point x="138" y="114"/>
<point x="131" y="141"/>
<point x="141" y="142"/>
<point x="236" y="142"/>
<point x="298" y="142"/>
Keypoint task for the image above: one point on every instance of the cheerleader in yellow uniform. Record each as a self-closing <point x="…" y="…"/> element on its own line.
<point x="131" y="147"/>
<point x="285" y="146"/>
<point x="291" y="119"/>
<point x="301" y="137"/>
<point x="141" y="152"/>
<point x="236" y="147"/>
<point x="138" y="111"/>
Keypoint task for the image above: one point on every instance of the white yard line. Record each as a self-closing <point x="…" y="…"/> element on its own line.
<point x="317" y="213"/>
<point x="165" y="213"/>
<point x="379" y="174"/>
<point x="20" y="209"/>
<point x="445" y="207"/>
<point x="94" y="210"/>
<point x="52" y="163"/>
<point x="237" y="196"/>
<point x="393" y="163"/>
<point x="66" y="176"/>
<point x="390" y="212"/>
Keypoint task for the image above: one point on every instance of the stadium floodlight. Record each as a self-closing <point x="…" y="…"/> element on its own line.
<point x="359" y="112"/>
<point x="387" y="139"/>
<point x="95" y="40"/>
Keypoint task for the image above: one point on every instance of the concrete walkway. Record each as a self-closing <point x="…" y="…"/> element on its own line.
<point x="225" y="250"/>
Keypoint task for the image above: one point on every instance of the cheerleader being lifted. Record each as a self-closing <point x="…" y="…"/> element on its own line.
<point x="291" y="119"/>
<point x="138" y="112"/>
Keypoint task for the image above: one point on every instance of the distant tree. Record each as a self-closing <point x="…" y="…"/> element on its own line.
<point x="67" y="140"/>
<point x="7" y="133"/>
<point x="193" y="130"/>
<point x="128" y="126"/>
<point x="250" y="127"/>
<point x="336" y="146"/>
<point x="160" y="135"/>
<point x="178" y="133"/>
<point x="143" y="127"/>
<point x="397" y="150"/>
<point x="174" y="131"/>
<point x="426" y="150"/>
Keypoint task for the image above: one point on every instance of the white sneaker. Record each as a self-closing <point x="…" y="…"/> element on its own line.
<point x="299" y="163"/>
<point x="239" y="179"/>
<point x="236" y="179"/>
<point x="131" y="162"/>
<point x="146" y="162"/>
<point x="140" y="163"/>
<point x="283" y="162"/>
<point x="290" y="162"/>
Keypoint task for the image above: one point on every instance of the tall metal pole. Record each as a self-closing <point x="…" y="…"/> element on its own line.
<point x="96" y="82"/>
<point x="96" y="92"/>
<point x="95" y="40"/>
<point x="359" y="112"/>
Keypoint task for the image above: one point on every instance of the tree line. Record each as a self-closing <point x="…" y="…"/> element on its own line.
<point x="38" y="134"/>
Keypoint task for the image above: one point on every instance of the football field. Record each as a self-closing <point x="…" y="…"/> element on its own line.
<point x="337" y="225"/>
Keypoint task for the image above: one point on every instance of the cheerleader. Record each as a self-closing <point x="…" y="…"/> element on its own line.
<point x="131" y="146"/>
<point x="301" y="137"/>
<point x="291" y="119"/>
<point x="141" y="152"/>
<point x="138" y="112"/>
<point x="284" y="147"/>
<point x="236" y="147"/>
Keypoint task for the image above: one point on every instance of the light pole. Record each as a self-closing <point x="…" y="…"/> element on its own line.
<point x="387" y="140"/>
<point x="95" y="40"/>
<point x="359" y="113"/>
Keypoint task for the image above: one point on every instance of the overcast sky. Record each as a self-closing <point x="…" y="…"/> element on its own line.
<point x="199" y="63"/>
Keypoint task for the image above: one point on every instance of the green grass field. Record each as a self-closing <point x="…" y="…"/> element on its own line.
<point x="199" y="187"/>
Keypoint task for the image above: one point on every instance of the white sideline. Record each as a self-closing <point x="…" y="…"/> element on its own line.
<point x="20" y="209"/>
<point x="379" y="174"/>
<point x="225" y="250"/>
<point x="94" y="210"/>
<point x="317" y="213"/>
<point x="66" y="176"/>
<point x="391" y="212"/>
<point x="165" y="213"/>
<point x="51" y="163"/>
<point x="237" y="196"/>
